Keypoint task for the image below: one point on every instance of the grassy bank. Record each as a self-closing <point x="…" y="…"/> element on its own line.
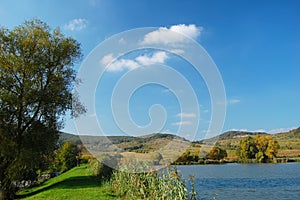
<point x="78" y="183"/>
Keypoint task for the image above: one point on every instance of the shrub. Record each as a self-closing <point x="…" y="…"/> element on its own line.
<point x="100" y="169"/>
<point x="84" y="159"/>
<point x="66" y="157"/>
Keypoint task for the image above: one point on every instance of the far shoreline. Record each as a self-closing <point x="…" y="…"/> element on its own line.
<point x="222" y="162"/>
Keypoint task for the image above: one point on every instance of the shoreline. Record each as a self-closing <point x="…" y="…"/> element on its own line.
<point x="220" y="162"/>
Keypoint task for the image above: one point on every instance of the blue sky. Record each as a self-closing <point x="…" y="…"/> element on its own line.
<point x="255" y="46"/>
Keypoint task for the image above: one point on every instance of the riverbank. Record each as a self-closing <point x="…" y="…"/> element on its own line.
<point x="78" y="183"/>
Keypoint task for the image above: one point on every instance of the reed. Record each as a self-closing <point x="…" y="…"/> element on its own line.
<point x="165" y="184"/>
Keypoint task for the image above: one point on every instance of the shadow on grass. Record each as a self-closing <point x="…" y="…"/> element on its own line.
<point x="69" y="183"/>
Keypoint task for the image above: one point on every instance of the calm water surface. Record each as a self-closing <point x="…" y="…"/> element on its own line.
<point x="245" y="181"/>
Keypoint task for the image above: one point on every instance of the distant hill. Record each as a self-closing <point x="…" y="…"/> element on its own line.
<point x="237" y="134"/>
<point x="67" y="137"/>
<point x="146" y="143"/>
<point x="292" y="134"/>
<point x="288" y="141"/>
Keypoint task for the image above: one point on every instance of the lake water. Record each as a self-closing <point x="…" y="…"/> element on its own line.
<point x="245" y="181"/>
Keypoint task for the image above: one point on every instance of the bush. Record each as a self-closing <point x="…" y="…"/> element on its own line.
<point x="84" y="159"/>
<point x="100" y="169"/>
<point x="66" y="157"/>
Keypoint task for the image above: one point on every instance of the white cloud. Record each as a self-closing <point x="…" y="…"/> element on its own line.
<point x="277" y="130"/>
<point x="170" y="35"/>
<point x="191" y="30"/>
<point x="76" y="24"/>
<point x="280" y="130"/>
<point x="182" y="123"/>
<point x="157" y="57"/>
<point x="122" y="64"/>
<point x="129" y="64"/>
<point x="241" y="130"/>
<point x="234" y="101"/>
<point x="187" y="115"/>
<point x="259" y="130"/>
<point x="107" y="59"/>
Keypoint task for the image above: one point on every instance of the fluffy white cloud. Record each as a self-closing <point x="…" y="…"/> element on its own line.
<point x="107" y="59"/>
<point x="129" y="64"/>
<point x="157" y="57"/>
<point x="189" y="30"/>
<point x="170" y="35"/>
<point x="76" y="24"/>
<point x="122" y="64"/>
<point x="193" y="115"/>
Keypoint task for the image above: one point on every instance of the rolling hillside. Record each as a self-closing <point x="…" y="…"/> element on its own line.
<point x="168" y="144"/>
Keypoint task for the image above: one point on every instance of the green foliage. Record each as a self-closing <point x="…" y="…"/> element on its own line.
<point x="36" y="81"/>
<point x="247" y="149"/>
<point x="261" y="148"/>
<point x="100" y="167"/>
<point x="216" y="153"/>
<point x="164" y="185"/>
<point x="66" y="157"/>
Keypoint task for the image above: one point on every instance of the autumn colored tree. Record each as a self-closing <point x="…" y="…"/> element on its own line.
<point x="36" y="90"/>
<point x="266" y="146"/>
<point x="261" y="148"/>
<point x="217" y="153"/>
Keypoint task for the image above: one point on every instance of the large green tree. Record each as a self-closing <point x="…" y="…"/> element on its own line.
<point x="36" y="90"/>
<point x="247" y="149"/>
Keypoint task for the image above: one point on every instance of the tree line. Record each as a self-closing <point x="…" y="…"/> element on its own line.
<point x="260" y="148"/>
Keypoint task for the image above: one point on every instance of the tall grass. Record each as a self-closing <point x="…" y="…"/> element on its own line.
<point x="165" y="184"/>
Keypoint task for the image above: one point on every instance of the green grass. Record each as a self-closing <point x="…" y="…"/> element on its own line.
<point x="78" y="183"/>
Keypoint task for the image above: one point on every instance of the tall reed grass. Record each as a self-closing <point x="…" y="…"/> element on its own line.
<point x="166" y="184"/>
